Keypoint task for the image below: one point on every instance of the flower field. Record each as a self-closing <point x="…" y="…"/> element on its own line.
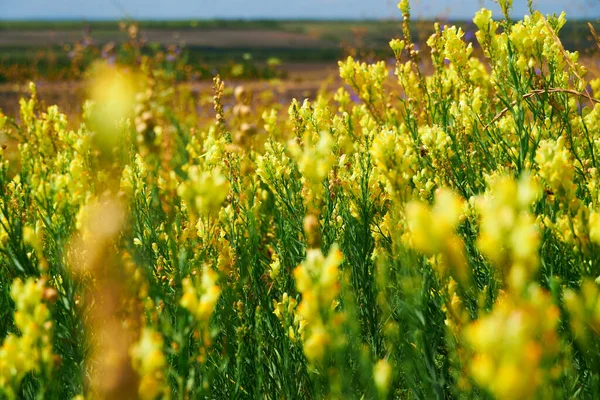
<point x="417" y="234"/>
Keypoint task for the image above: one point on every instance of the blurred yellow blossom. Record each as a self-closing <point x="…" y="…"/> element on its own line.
<point x="32" y="350"/>
<point x="513" y="345"/>
<point x="509" y="234"/>
<point x="149" y="361"/>
<point x="317" y="280"/>
<point x="200" y="300"/>
<point x="205" y="191"/>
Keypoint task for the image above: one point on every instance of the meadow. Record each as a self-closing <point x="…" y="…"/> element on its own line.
<point x="426" y="227"/>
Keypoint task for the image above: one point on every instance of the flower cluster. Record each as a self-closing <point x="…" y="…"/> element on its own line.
<point x="149" y="361"/>
<point x="509" y="234"/>
<point x="31" y="351"/>
<point x="317" y="279"/>
<point x="514" y="345"/>
<point x="432" y="230"/>
<point x="200" y="300"/>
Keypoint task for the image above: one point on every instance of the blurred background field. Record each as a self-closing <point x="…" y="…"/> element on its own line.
<point x="296" y="56"/>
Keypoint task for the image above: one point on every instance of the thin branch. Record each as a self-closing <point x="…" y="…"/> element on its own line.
<point x="538" y="92"/>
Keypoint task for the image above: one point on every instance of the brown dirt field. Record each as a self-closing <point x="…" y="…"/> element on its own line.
<point x="225" y="38"/>
<point x="304" y="81"/>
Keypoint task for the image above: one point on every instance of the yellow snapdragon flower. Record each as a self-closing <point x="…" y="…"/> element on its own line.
<point x="317" y="281"/>
<point x="286" y="311"/>
<point x="556" y="167"/>
<point x="200" y="300"/>
<point x="432" y="230"/>
<point x="205" y="191"/>
<point x="149" y="361"/>
<point x="508" y="234"/>
<point x="512" y="344"/>
<point x="20" y="355"/>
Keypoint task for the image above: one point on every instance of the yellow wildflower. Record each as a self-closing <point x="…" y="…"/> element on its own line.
<point x="149" y="361"/>
<point x="200" y="300"/>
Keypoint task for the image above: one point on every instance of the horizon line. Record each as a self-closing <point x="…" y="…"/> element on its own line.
<point x="259" y="19"/>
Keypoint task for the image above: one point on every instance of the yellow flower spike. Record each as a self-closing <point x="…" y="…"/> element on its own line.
<point x="285" y="311"/>
<point x="556" y="166"/>
<point x="205" y="191"/>
<point x="320" y="148"/>
<point x="395" y="160"/>
<point x="275" y="267"/>
<point x="482" y="368"/>
<point x="483" y="20"/>
<point x="32" y="351"/>
<point x="455" y="49"/>
<point x="303" y="279"/>
<point x="447" y="209"/>
<point x="329" y="274"/>
<point x="512" y="345"/>
<point x="317" y="281"/>
<point x="430" y="227"/>
<point x="404" y="6"/>
<point x="524" y="238"/>
<point x="397" y="46"/>
<point x="200" y="300"/>
<point x="316" y="344"/>
<point x="419" y="222"/>
<point x="529" y="190"/>
<point x="509" y="234"/>
<point x="149" y="361"/>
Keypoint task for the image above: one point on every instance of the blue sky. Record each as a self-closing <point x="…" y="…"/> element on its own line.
<point x="252" y="9"/>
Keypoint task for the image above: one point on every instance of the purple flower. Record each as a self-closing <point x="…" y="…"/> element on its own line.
<point x="469" y="36"/>
<point x="446" y="61"/>
<point x="354" y="97"/>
